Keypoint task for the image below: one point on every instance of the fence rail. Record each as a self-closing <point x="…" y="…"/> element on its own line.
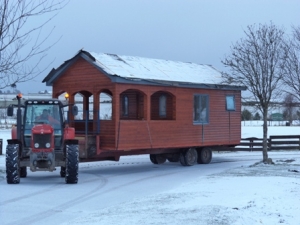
<point x="275" y="142"/>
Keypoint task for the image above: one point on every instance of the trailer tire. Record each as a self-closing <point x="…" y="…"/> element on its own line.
<point x="72" y="161"/>
<point x="190" y="157"/>
<point x="174" y="157"/>
<point x="12" y="164"/>
<point x="23" y="171"/>
<point x="63" y="171"/>
<point x="153" y="159"/>
<point x="158" y="158"/>
<point x="182" y="158"/>
<point x="204" y="155"/>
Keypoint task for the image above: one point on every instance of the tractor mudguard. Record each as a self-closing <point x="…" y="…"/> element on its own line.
<point x="69" y="133"/>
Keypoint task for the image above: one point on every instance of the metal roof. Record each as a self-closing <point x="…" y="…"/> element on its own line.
<point x="139" y="70"/>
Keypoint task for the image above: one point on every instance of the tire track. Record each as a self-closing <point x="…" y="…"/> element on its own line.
<point x="97" y="191"/>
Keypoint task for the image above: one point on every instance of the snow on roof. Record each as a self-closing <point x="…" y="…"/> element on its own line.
<point x="156" y="69"/>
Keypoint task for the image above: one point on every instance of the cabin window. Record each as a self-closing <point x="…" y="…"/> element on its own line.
<point x="201" y="109"/>
<point x="230" y="103"/>
<point x="125" y="105"/>
<point x="162" y="106"/>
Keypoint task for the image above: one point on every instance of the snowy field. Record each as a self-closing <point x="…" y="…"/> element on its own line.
<point x="234" y="189"/>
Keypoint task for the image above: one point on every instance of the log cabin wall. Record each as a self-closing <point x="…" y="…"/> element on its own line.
<point x="145" y="126"/>
<point x="82" y="77"/>
<point x="223" y="127"/>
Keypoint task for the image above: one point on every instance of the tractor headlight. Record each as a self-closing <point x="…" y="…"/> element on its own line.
<point x="36" y="145"/>
<point x="48" y="145"/>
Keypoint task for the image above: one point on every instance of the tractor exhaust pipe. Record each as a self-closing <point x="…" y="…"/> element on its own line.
<point x="19" y="115"/>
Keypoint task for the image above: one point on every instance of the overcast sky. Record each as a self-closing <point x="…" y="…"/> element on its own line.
<point x="199" y="31"/>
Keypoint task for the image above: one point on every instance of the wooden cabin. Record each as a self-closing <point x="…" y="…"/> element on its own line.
<point x="158" y="107"/>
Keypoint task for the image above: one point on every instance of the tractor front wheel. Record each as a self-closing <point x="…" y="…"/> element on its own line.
<point x="72" y="161"/>
<point x="12" y="164"/>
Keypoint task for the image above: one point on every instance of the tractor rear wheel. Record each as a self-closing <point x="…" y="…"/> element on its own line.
<point x="12" y="164"/>
<point x="72" y="161"/>
<point x="23" y="171"/>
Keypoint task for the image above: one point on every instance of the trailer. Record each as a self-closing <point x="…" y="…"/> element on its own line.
<point x="173" y="111"/>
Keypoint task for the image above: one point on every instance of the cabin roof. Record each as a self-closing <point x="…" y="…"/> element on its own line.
<point x="139" y="70"/>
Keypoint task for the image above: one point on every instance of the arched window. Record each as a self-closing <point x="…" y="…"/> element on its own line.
<point x="125" y="105"/>
<point x="162" y="106"/>
<point x="105" y="100"/>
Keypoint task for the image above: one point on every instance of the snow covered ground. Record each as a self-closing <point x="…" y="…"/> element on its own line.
<point x="234" y="189"/>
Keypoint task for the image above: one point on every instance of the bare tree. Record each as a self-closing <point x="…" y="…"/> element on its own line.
<point x="289" y="105"/>
<point x="291" y="77"/>
<point x="257" y="62"/>
<point x="20" y="43"/>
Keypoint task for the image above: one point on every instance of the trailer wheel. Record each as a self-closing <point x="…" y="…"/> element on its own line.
<point x="182" y="158"/>
<point x="204" y="155"/>
<point x="190" y="156"/>
<point x="72" y="161"/>
<point x="173" y="157"/>
<point x="12" y="164"/>
<point x="23" y="171"/>
<point x="158" y="158"/>
<point x="153" y="159"/>
<point x="63" y="171"/>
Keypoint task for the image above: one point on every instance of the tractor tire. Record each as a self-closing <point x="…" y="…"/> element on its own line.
<point x="63" y="171"/>
<point x="72" y="164"/>
<point x="204" y="155"/>
<point x="23" y="171"/>
<point x="12" y="164"/>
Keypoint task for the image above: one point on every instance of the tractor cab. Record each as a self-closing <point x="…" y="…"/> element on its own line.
<point x="39" y="114"/>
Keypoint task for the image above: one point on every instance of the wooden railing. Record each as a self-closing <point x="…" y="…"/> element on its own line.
<point x="284" y="142"/>
<point x="275" y="142"/>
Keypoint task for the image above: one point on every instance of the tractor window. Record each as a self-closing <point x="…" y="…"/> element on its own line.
<point x="42" y="113"/>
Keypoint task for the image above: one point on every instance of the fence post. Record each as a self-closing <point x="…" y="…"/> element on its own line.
<point x="251" y="144"/>
<point x="1" y="141"/>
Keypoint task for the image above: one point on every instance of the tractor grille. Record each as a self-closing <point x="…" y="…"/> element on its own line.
<point x="42" y="139"/>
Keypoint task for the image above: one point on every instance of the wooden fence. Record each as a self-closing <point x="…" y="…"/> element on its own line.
<point x="275" y="142"/>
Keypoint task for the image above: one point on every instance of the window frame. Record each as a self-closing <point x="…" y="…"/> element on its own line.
<point x="200" y="96"/>
<point x="230" y="103"/>
<point x="162" y="106"/>
<point x="125" y="106"/>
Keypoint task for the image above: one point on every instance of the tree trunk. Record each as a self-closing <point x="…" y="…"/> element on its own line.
<point x="265" y="136"/>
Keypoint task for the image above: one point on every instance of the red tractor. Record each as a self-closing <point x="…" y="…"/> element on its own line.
<point x="41" y="140"/>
